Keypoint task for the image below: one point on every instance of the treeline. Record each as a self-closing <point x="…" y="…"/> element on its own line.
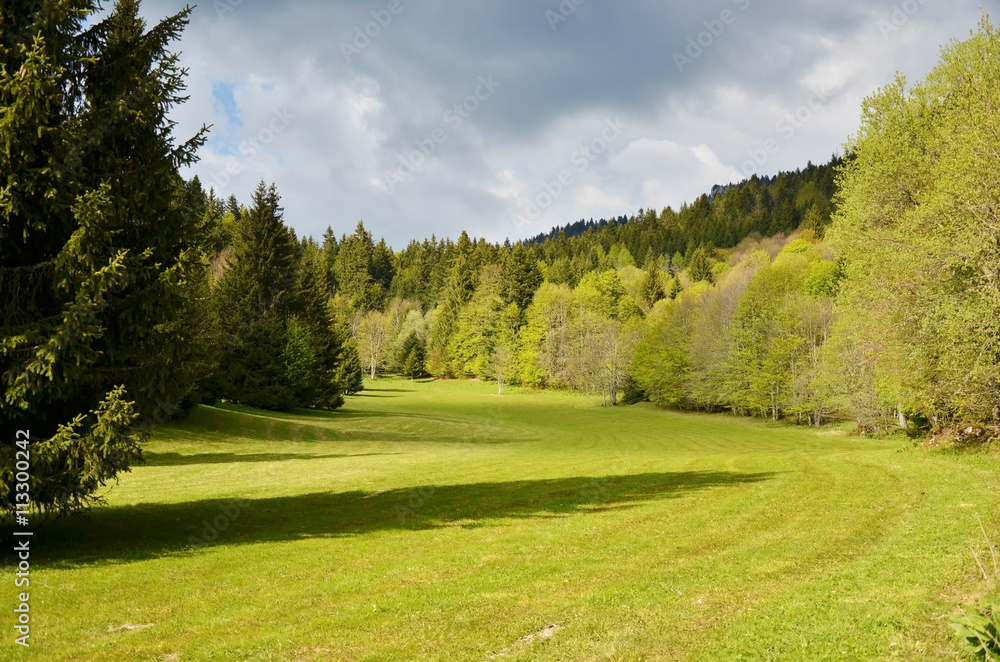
<point x="919" y="234"/>
<point x="755" y="341"/>
<point x="876" y="295"/>
<point x="566" y="312"/>
<point x="292" y="320"/>
<point x="368" y="275"/>
<point x="721" y="218"/>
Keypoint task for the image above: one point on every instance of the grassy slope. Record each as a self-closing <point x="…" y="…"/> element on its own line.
<point x="439" y="521"/>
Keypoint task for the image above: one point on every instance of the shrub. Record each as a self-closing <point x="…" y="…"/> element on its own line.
<point x="979" y="627"/>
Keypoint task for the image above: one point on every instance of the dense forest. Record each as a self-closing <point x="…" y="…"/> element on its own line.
<point x="867" y="287"/>
<point x="516" y="313"/>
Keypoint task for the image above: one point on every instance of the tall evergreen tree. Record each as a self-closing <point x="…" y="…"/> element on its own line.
<point x="652" y="286"/>
<point x="411" y="357"/>
<point x="382" y="268"/>
<point x="350" y="372"/>
<point x="353" y="271"/>
<point x="100" y="244"/>
<point x="459" y="290"/>
<point x="700" y="268"/>
<point x="330" y="248"/>
<point x="521" y="277"/>
<point x="253" y="301"/>
<point x="326" y="387"/>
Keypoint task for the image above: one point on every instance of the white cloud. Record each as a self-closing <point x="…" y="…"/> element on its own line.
<point x="670" y="173"/>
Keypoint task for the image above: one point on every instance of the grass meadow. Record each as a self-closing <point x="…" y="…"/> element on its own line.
<point x="439" y="521"/>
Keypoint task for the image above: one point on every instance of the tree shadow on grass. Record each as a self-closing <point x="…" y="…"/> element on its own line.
<point x="221" y="418"/>
<point x="179" y="459"/>
<point x="206" y="423"/>
<point x="125" y="534"/>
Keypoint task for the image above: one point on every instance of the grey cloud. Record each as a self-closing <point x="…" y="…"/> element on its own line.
<point x="355" y="119"/>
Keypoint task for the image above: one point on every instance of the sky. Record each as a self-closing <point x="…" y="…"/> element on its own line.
<point x="506" y="119"/>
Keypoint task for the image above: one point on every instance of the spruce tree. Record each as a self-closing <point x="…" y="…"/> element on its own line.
<point x="521" y="277"/>
<point x="353" y="268"/>
<point x="101" y="255"/>
<point x="350" y="372"/>
<point x="330" y="248"/>
<point x="253" y="301"/>
<point x="413" y="365"/>
<point x="326" y="390"/>
<point x="383" y="268"/>
<point x="675" y="289"/>
<point x="458" y="292"/>
<point x="411" y="347"/>
<point x="701" y="266"/>
<point x="652" y="287"/>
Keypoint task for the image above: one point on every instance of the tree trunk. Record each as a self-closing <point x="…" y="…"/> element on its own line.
<point x="902" y="417"/>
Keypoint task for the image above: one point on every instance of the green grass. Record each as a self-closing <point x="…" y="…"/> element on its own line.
<point x="439" y="521"/>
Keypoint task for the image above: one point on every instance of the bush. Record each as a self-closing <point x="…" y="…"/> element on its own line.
<point x="979" y="628"/>
<point x="634" y="394"/>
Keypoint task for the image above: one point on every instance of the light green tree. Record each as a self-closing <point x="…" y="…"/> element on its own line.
<point x="543" y="339"/>
<point x="375" y="332"/>
<point x="917" y="234"/>
<point x="475" y="336"/>
<point x="503" y="357"/>
<point x="768" y="345"/>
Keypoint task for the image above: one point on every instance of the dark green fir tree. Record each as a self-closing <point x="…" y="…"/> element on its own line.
<point x="254" y="300"/>
<point x="102" y="264"/>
